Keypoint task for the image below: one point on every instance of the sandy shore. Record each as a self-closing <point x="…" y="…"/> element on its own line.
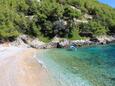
<point x="18" y="67"/>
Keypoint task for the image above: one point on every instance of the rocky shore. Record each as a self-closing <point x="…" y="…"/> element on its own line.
<point x="30" y="42"/>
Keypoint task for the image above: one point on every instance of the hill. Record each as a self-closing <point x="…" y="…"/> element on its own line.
<point x="45" y="19"/>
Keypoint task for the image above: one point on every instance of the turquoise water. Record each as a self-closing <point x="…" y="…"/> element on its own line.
<point x="87" y="66"/>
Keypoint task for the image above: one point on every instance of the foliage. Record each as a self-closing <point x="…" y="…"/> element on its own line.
<point x="8" y="31"/>
<point x="49" y="18"/>
<point x="71" y="13"/>
<point x="93" y="27"/>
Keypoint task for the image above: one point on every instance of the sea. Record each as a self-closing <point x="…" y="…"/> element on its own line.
<point x="84" y="66"/>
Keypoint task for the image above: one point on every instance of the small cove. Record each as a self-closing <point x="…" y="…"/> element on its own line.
<point x="87" y="66"/>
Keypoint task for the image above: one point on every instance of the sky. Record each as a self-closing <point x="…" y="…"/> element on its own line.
<point x="109" y="2"/>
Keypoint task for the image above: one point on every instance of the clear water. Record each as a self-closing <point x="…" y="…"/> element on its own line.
<point x="88" y="66"/>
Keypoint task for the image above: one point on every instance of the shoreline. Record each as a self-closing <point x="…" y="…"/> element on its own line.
<point x="63" y="42"/>
<point x="28" y="42"/>
<point x="20" y="68"/>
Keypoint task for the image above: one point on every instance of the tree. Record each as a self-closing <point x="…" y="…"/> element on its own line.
<point x="93" y="27"/>
<point x="71" y="13"/>
<point x="8" y="31"/>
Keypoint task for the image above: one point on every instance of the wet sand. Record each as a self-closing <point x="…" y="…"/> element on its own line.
<point x="18" y="67"/>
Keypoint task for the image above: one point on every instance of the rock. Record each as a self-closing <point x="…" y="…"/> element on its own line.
<point x="88" y="16"/>
<point x="58" y="43"/>
<point x="38" y="0"/>
<point x="82" y="42"/>
<point x="19" y="43"/>
<point x="94" y="39"/>
<point x="1" y="41"/>
<point x="33" y="0"/>
<point x="106" y="39"/>
<point x="74" y="8"/>
<point x="27" y="41"/>
<point x="55" y="43"/>
<point x="64" y="43"/>
<point x="52" y="45"/>
<point x="30" y="17"/>
<point x="36" y="43"/>
<point x="56" y="39"/>
<point x="86" y="34"/>
<point x="76" y="21"/>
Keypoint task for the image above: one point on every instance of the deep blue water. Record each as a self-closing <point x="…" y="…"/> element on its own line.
<point x="87" y="66"/>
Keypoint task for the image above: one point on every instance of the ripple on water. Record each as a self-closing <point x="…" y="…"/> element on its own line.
<point x="89" y="66"/>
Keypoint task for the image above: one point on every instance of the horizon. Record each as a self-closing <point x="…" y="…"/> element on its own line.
<point x="108" y="2"/>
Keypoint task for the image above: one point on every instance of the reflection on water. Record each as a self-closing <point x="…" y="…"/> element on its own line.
<point x="88" y="66"/>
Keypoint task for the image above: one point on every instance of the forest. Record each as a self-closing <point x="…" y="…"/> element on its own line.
<point x="45" y="19"/>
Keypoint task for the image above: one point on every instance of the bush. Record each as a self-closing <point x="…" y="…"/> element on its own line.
<point x="71" y="13"/>
<point x="8" y="31"/>
<point x="93" y="27"/>
<point x="46" y="15"/>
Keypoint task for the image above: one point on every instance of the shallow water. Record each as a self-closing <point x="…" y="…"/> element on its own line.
<point x="87" y="66"/>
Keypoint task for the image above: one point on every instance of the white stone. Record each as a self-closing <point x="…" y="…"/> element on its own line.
<point x="88" y="16"/>
<point x="75" y="8"/>
<point x="80" y="21"/>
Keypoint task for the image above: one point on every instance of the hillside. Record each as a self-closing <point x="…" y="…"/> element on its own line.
<point x="45" y="19"/>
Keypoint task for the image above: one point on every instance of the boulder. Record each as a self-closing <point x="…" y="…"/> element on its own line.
<point x="20" y="42"/>
<point x="52" y="45"/>
<point x="36" y="43"/>
<point x="27" y="41"/>
<point x="64" y="43"/>
<point x="58" y="43"/>
<point x="106" y="39"/>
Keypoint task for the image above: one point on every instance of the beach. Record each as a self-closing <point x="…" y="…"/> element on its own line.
<point x="19" y="67"/>
<point x="86" y="66"/>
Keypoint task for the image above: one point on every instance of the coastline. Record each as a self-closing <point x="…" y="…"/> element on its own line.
<point x="20" y="68"/>
<point x="26" y="41"/>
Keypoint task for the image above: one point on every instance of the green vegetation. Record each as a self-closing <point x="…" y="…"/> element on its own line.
<point x="49" y="18"/>
<point x="94" y="27"/>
